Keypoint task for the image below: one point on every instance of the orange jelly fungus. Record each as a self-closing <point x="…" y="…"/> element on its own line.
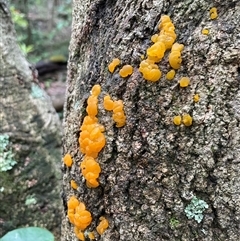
<point x="177" y="120"/>
<point x="196" y="98"/>
<point x="184" y="82"/>
<point x="78" y="215"/>
<point x="117" y="107"/>
<point x="91" y="235"/>
<point x="103" y="225"/>
<point x="156" y="51"/>
<point x="149" y="70"/>
<point x="162" y="41"/>
<point x="187" y="120"/>
<point x="177" y="47"/>
<point x="115" y="62"/>
<point x="96" y="90"/>
<point x="167" y="33"/>
<point x="82" y="219"/>
<point x="91" y="139"/>
<point x="175" y="58"/>
<point x="170" y="74"/>
<point x="90" y="170"/>
<point x="213" y="13"/>
<point x="126" y="70"/>
<point x="108" y="103"/>
<point x="67" y="159"/>
<point x="205" y="31"/>
<point x="79" y="234"/>
<point x="74" y="184"/>
<point x="73" y="203"/>
<point x="118" y="113"/>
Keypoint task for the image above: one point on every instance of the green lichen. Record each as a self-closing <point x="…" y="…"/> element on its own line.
<point x="195" y="209"/>
<point x="6" y="154"/>
<point x="37" y="92"/>
<point x="30" y="200"/>
<point x="76" y="105"/>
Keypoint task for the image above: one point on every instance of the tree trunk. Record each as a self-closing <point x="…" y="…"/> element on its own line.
<point x="30" y="140"/>
<point x="156" y="174"/>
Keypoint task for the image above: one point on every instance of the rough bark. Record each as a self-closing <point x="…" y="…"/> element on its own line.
<point x="30" y="185"/>
<point x="151" y="169"/>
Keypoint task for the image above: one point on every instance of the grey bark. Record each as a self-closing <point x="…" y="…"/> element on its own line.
<point x="30" y="185"/>
<point x="151" y="169"/>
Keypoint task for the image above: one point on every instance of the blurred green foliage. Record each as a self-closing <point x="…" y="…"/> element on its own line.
<point x="42" y="26"/>
<point x="18" y="18"/>
<point x="21" y="24"/>
<point x="28" y="234"/>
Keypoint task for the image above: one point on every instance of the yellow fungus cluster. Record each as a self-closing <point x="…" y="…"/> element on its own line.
<point x="175" y="58"/>
<point x="205" y="31"/>
<point x="115" y="62"/>
<point x="90" y="170"/>
<point x="117" y="107"/>
<point x="196" y="98"/>
<point x="67" y="159"/>
<point x="108" y="103"/>
<point x="162" y="42"/>
<point x="177" y="120"/>
<point x="167" y="33"/>
<point x="79" y="234"/>
<point x="213" y="13"/>
<point x="170" y="74"/>
<point x="150" y="70"/>
<point x="118" y="113"/>
<point x="103" y="225"/>
<point x="91" y="139"/>
<point x="81" y="219"/>
<point x="184" y="82"/>
<point x="156" y="51"/>
<point x="92" y="108"/>
<point x="186" y="119"/>
<point x="78" y="216"/>
<point x="74" y="184"/>
<point x="91" y="235"/>
<point x="126" y="70"/>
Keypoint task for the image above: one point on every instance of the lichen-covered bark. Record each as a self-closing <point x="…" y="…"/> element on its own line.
<point x="151" y="169"/>
<point x="30" y="191"/>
